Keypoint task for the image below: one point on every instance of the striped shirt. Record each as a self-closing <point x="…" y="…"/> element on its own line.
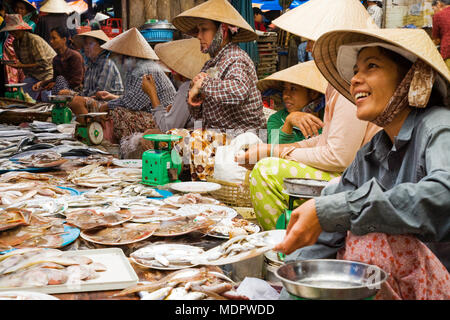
<point x="232" y="100"/>
<point x="33" y="49"/>
<point x="134" y="97"/>
<point x="102" y="75"/>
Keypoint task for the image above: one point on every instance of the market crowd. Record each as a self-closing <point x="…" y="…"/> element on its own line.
<point x="369" y="113"/>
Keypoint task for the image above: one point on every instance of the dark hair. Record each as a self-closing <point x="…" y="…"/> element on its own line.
<point x="257" y="10"/>
<point x="62" y="33"/>
<point x="444" y="2"/>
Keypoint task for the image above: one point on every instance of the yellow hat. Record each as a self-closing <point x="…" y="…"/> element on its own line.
<point x="216" y="10"/>
<point x="303" y="74"/>
<point x="182" y="56"/>
<point x="412" y="44"/>
<point x="314" y="18"/>
<point x="97" y="34"/>
<point x="131" y="43"/>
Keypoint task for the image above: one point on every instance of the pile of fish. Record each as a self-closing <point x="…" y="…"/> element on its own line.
<point x="103" y="160"/>
<point x="166" y="255"/>
<point x="88" y="218"/>
<point x="195" y="198"/>
<point x="92" y="176"/>
<point x="237" y="249"/>
<point x="127" y="189"/>
<point x="122" y="234"/>
<point x="30" y="231"/>
<point x="34" y="267"/>
<point x="233" y="227"/>
<point x="13" y="193"/>
<point x="6" y="164"/>
<point x="183" y="226"/>
<point x="187" y="284"/>
<point x="46" y="159"/>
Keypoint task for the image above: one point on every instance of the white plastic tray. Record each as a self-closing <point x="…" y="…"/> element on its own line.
<point x="119" y="274"/>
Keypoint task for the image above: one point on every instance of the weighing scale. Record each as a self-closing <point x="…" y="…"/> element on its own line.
<point x="15" y="91"/>
<point x="89" y="130"/>
<point x="161" y="165"/>
<point x="61" y="113"/>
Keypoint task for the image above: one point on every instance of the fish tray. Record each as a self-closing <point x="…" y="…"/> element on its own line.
<point x="16" y="118"/>
<point x="119" y="274"/>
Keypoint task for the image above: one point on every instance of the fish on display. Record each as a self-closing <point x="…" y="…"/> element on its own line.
<point x="125" y="233"/>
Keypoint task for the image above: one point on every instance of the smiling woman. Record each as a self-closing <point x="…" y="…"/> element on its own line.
<point x="391" y="203"/>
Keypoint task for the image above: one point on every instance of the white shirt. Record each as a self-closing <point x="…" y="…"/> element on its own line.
<point x="376" y="13"/>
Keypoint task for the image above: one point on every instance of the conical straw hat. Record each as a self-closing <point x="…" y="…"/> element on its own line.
<point x="303" y="74"/>
<point x="182" y="56"/>
<point x="56" y="6"/>
<point x="216" y="10"/>
<point x="131" y="43"/>
<point x="413" y="43"/>
<point x="15" y="22"/>
<point x="30" y="6"/>
<point x="98" y="34"/>
<point x="315" y="17"/>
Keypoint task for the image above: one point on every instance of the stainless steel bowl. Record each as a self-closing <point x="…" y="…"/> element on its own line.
<point x="304" y="187"/>
<point x="331" y="279"/>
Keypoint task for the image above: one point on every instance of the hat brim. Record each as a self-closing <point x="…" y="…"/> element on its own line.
<point x="188" y="25"/>
<point x="415" y="42"/>
<point x="303" y="74"/>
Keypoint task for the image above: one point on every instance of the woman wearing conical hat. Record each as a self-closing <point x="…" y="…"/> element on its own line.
<point x="101" y="73"/>
<point x="302" y="88"/>
<point x="224" y="95"/>
<point x="343" y="133"/>
<point x="393" y="200"/>
<point x="52" y="13"/>
<point x="131" y="112"/>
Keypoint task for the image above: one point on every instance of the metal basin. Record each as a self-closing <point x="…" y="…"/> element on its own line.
<point x="304" y="187"/>
<point x="331" y="279"/>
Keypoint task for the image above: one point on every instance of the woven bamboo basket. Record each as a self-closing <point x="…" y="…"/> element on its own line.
<point x="233" y="194"/>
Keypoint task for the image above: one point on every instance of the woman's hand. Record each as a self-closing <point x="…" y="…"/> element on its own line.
<point x="105" y="96"/>
<point x="253" y="155"/>
<point x="303" y="229"/>
<point x="37" y="86"/>
<point x="50" y="86"/>
<point x="194" y="96"/>
<point x="149" y="87"/>
<point x="308" y="123"/>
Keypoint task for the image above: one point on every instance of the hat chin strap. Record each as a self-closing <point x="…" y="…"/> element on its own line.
<point x="216" y="43"/>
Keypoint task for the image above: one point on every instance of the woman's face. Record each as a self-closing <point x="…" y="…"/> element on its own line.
<point x="206" y="32"/>
<point x="20" y="8"/>
<point x="376" y="77"/>
<point x="91" y="48"/>
<point x="56" y="41"/>
<point x="295" y="97"/>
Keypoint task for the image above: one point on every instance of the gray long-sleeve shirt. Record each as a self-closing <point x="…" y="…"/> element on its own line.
<point x="178" y="116"/>
<point x="400" y="188"/>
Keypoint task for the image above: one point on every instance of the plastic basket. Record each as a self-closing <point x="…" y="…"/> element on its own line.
<point x="233" y="194"/>
<point x="157" y="35"/>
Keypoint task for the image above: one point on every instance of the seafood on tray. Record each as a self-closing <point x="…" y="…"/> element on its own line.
<point x="6" y="164"/>
<point x="184" y="226"/>
<point x="127" y="189"/>
<point x="187" y="284"/>
<point x="43" y="232"/>
<point x="229" y="228"/>
<point x="11" y="218"/>
<point x="12" y="193"/>
<point x="144" y="214"/>
<point x="125" y="233"/>
<point x="87" y="218"/>
<point x="46" y="207"/>
<point x="190" y="198"/>
<point x="133" y="175"/>
<point x="22" y="176"/>
<point x="133" y="201"/>
<point x="211" y="211"/>
<point x="92" y="176"/>
<point x="102" y="160"/>
<point x="36" y="267"/>
<point x="239" y="248"/>
<point x="166" y="256"/>
<point x="45" y="159"/>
